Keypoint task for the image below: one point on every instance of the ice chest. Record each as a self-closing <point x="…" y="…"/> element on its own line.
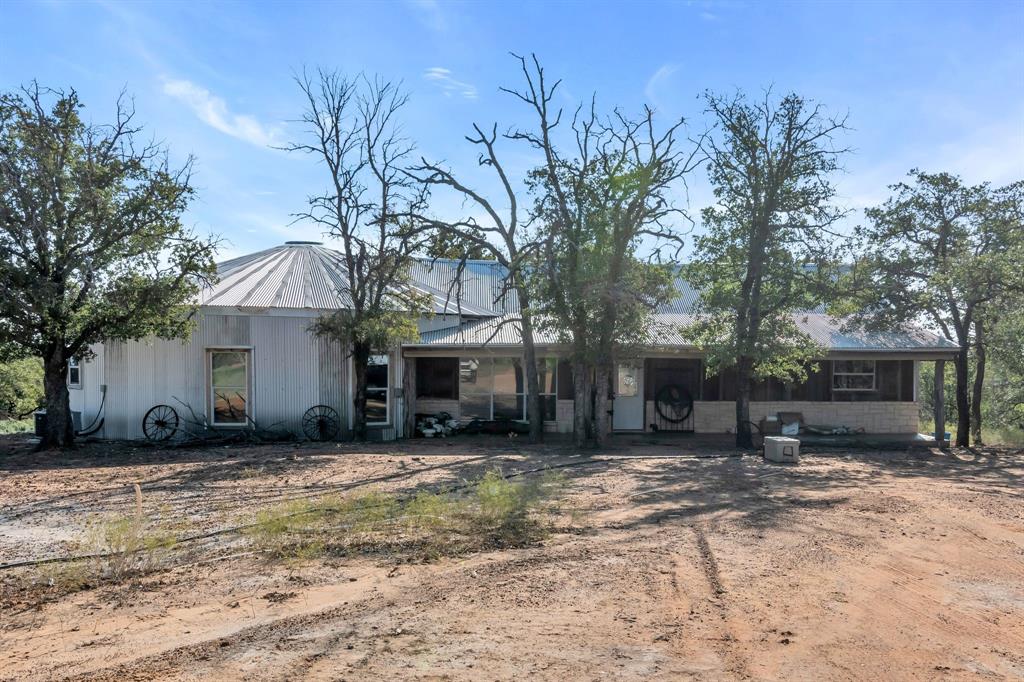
<point x="781" y="449"/>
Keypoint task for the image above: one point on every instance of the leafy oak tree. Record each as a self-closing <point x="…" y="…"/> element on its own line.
<point x="950" y="253"/>
<point x="767" y="251"/>
<point x="92" y="246"/>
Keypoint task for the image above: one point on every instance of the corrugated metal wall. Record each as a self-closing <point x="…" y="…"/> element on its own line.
<point x="292" y="370"/>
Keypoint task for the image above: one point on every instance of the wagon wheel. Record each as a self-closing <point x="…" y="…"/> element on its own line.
<point x="160" y="423"/>
<point x="674" y="403"/>
<point x="320" y="422"/>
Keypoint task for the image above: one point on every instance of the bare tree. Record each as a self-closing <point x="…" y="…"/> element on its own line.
<point x="595" y="205"/>
<point x="352" y="129"/>
<point x="503" y="238"/>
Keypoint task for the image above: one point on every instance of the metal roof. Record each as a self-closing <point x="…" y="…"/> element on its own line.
<point x="311" y="276"/>
<point x="668" y="330"/>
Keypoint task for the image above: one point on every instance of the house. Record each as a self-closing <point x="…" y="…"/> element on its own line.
<point x="252" y="360"/>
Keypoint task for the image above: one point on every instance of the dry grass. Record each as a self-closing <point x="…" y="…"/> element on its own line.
<point x="490" y="512"/>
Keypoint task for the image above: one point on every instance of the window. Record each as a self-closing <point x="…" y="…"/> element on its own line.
<point x="475" y="388"/>
<point x="495" y="388"/>
<point x="509" y="389"/>
<point x="377" y="403"/>
<point x="853" y="375"/>
<point x="74" y="373"/>
<point x="628" y="382"/>
<point x="547" y="377"/>
<point x="437" y="378"/>
<point x="229" y="387"/>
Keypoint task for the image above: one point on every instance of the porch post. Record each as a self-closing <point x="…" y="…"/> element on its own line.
<point x="408" y="396"/>
<point x="940" y="403"/>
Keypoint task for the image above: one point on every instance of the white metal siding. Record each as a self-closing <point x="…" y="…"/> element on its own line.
<point x="88" y="398"/>
<point x="292" y="370"/>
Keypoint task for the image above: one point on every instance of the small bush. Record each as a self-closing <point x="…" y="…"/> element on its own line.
<point x="130" y="545"/>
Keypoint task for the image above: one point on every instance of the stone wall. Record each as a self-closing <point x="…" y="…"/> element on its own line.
<point x="873" y="417"/>
<point x="720" y="416"/>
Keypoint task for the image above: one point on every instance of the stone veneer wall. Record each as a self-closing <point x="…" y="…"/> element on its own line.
<point x="720" y="416"/>
<point x="873" y="417"/>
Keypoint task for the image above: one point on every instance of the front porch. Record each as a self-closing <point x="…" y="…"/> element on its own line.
<point x="666" y="393"/>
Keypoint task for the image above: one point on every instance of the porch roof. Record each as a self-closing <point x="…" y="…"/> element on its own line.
<point x="667" y="331"/>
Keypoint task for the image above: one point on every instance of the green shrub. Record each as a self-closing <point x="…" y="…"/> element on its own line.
<point x="11" y="426"/>
<point x="21" y="387"/>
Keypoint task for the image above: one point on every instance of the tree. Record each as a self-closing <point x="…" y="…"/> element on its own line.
<point x="594" y="205"/>
<point x="21" y="387"/>
<point x="92" y="247"/>
<point x="945" y="251"/>
<point x="767" y="251"/>
<point x="353" y="132"/>
<point x="1004" y="343"/>
<point x="506" y="240"/>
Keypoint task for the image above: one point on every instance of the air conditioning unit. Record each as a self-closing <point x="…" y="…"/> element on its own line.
<point x="40" y="421"/>
<point x="781" y="449"/>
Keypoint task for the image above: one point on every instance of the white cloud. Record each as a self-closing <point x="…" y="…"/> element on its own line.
<point x="658" y="81"/>
<point x="443" y="79"/>
<point x="213" y="111"/>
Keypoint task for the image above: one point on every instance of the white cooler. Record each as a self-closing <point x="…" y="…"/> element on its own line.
<point x="781" y="449"/>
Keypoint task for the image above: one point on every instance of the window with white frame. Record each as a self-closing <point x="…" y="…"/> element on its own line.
<point x="74" y="373"/>
<point x="229" y="387"/>
<point x="853" y="375"/>
<point x="547" y="377"/>
<point x="495" y="388"/>
<point x="377" y="390"/>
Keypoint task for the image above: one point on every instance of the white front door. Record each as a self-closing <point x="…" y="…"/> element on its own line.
<point x="628" y="412"/>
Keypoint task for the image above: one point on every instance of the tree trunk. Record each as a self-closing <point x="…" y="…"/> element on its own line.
<point x="963" y="407"/>
<point x="360" y="361"/>
<point x="602" y="405"/>
<point x="939" y="403"/>
<point x="979" y="382"/>
<point x="534" y="412"/>
<point x="60" y="431"/>
<point x="580" y="402"/>
<point x="743" y="376"/>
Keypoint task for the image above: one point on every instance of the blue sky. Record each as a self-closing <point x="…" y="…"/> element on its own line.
<point x="936" y="85"/>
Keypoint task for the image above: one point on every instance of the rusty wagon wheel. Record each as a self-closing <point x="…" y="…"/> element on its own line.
<point x="160" y="423"/>
<point x="320" y="422"/>
<point x="674" y="403"/>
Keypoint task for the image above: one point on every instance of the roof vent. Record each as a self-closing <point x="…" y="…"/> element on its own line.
<point x="310" y="243"/>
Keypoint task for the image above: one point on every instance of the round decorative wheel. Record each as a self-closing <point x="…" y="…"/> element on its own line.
<point x="320" y="422"/>
<point x="674" y="403"/>
<point x="160" y="423"/>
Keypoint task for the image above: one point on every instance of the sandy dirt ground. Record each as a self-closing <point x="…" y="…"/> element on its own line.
<point x="668" y="562"/>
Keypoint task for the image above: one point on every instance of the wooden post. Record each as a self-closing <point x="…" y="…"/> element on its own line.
<point x="408" y="396"/>
<point x="940" y="403"/>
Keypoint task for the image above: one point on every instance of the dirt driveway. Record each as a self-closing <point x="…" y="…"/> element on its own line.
<point x="668" y="562"/>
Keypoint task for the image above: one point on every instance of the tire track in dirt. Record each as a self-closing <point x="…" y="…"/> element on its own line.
<point x="722" y="629"/>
